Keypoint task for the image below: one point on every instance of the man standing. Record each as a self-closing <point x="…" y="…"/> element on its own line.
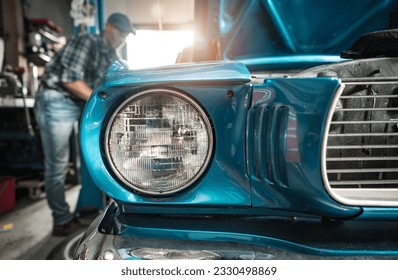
<point x="67" y="83"/>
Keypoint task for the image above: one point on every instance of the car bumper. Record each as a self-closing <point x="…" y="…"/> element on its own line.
<point x="113" y="236"/>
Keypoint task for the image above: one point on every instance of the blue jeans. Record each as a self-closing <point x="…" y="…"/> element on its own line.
<point x="56" y="114"/>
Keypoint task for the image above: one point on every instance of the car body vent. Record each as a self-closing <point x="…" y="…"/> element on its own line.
<point x="360" y="145"/>
<point x="270" y="129"/>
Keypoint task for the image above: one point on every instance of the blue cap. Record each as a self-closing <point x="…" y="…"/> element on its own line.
<point x="121" y="22"/>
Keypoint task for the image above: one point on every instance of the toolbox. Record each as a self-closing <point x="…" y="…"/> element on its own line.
<point x="7" y="194"/>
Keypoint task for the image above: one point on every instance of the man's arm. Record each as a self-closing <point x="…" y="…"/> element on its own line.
<point x="79" y="88"/>
<point x="75" y="59"/>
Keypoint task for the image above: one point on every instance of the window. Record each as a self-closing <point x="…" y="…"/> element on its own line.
<point x="151" y="48"/>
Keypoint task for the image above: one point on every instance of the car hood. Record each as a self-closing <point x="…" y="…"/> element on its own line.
<point x="281" y="32"/>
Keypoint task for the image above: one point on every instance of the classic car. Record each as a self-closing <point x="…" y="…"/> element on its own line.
<point x="283" y="148"/>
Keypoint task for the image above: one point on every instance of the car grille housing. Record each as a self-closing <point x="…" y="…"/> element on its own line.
<point x="360" y="150"/>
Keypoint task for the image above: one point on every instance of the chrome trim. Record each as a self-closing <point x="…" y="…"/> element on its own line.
<point x="363" y="134"/>
<point x="368" y="197"/>
<point x="364" y="182"/>
<point x="367" y="109"/>
<point x="70" y="246"/>
<point x="328" y="123"/>
<point x="190" y="101"/>
<point x="360" y="158"/>
<point x="363" y="170"/>
<point x="368" y="80"/>
<point x="98" y="246"/>
<point x="364" y="122"/>
<point x="362" y="147"/>
<point x="370" y="96"/>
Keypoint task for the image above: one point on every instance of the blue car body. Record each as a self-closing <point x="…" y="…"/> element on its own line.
<point x="277" y="181"/>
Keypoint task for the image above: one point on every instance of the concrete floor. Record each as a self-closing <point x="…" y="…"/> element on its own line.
<point x="30" y="238"/>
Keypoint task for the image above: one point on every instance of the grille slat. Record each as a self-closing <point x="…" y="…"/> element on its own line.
<point x="365" y="109"/>
<point x="363" y="182"/>
<point x="362" y="134"/>
<point x="360" y="158"/>
<point x="363" y="170"/>
<point x="369" y="96"/>
<point x="361" y="149"/>
<point x="366" y="122"/>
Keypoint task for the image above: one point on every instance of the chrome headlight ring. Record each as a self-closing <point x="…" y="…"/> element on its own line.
<point x="159" y="141"/>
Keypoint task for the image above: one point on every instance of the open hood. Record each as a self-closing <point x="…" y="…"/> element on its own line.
<point x="275" y="31"/>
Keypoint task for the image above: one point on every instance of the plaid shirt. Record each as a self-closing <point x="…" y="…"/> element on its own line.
<point x="84" y="57"/>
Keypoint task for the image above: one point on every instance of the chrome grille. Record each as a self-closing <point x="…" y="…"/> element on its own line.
<point x="360" y="153"/>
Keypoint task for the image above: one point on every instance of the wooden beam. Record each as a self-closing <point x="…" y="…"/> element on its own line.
<point x="13" y="29"/>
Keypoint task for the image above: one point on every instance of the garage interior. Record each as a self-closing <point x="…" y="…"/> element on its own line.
<point x="31" y="31"/>
<point x="279" y="63"/>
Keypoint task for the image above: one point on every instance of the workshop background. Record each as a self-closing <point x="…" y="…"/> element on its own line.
<point x="272" y="46"/>
<point x="31" y="31"/>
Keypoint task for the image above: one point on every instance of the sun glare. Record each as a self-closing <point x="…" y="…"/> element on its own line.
<point x="151" y="48"/>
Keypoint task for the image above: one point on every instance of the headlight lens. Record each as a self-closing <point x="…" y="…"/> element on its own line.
<point x="159" y="141"/>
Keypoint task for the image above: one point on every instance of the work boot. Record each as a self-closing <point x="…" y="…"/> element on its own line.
<point x="68" y="228"/>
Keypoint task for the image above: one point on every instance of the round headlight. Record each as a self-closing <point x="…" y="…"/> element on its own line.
<point x="159" y="141"/>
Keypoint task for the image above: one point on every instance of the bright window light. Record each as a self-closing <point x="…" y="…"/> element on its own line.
<point x="151" y="48"/>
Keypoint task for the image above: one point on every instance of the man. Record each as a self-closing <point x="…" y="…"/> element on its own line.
<point x="67" y="83"/>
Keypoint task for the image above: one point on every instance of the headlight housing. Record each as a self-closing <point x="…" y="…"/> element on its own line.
<point x="159" y="141"/>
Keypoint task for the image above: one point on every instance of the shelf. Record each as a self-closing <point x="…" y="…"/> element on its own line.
<point x="16" y="102"/>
